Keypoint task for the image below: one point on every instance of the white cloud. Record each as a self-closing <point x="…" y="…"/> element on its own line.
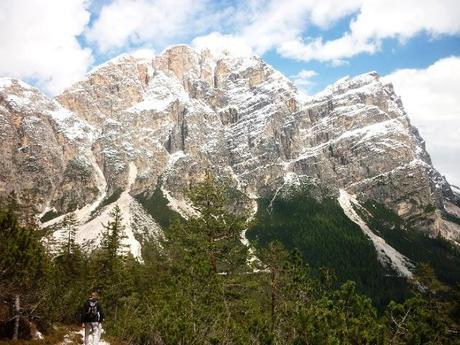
<point x="378" y="20"/>
<point x="404" y="19"/>
<point x="305" y="74"/>
<point x="431" y="98"/>
<point x="143" y="53"/>
<point x="334" y="51"/>
<point x="272" y="24"/>
<point x="256" y="25"/>
<point x="219" y="43"/>
<point x="38" y="41"/>
<point x="262" y="25"/>
<point x="124" y="22"/>
<point x="303" y="80"/>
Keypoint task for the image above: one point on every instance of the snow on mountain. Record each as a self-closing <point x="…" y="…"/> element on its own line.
<point x="182" y="112"/>
<point x="386" y="254"/>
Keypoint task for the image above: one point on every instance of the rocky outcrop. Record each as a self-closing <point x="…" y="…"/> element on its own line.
<point x="183" y="112"/>
<point x="45" y="150"/>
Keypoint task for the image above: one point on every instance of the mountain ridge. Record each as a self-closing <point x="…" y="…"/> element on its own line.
<point x="172" y="117"/>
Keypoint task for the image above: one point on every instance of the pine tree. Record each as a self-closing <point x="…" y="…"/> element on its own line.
<point x="69" y="226"/>
<point x="70" y="273"/>
<point x="70" y="257"/>
<point x="202" y="299"/>
<point x="274" y="259"/>
<point x="290" y="288"/>
<point x="23" y="264"/>
<point x="425" y="317"/>
<point x="114" y="235"/>
<point x="22" y="253"/>
<point x="219" y="229"/>
<point x="108" y="273"/>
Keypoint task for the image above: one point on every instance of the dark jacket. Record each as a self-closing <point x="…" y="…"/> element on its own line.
<point x="86" y="315"/>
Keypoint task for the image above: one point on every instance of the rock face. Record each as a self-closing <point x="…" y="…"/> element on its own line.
<point x="135" y="124"/>
<point x="46" y="151"/>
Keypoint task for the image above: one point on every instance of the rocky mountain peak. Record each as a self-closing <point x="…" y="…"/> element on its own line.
<point x="108" y="89"/>
<point x="186" y="64"/>
<point x="134" y="126"/>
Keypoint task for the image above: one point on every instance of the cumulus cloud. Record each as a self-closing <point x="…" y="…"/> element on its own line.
<point x="378" y="20"/>
<point x="134" y="22"/>
<point x="333" y="51"/>
<point x="431" y="98"/>
<point x="264" y="25"/>
<point x="38" y="41"/>
<point x="303" y="79"/>
<point x="219" y="44"/>
<point x="143" y="53"/>
<point x="404" y="19"/>
<point x="258" y="25"/>
<point x="273" y="25"/>
<point x="39" y="38"/>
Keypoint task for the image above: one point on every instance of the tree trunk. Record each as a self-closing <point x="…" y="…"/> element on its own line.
<point x="17" y="317"/>
<point x="212" y="257"/>
<point x="213" y="263"/>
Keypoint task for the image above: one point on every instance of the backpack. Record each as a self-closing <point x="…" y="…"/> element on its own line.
<point x="92" y="312"/>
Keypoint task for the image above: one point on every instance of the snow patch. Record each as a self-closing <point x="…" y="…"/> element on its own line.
<point x="68" y="337"/>
<point x="161" y="92"/>
<point x="289" y="179"/>
<point x="134" y="218"/>
<point x="70" y="125"/>
<point x="386" y="254"/>
<point x="452" y="208"/>
<point x="19" y="102"/>
<point x="45" y="211"/>
<point x="152" y="104"/>
<point x="5" y="82"/>
<point x="451" y="232"/>
<point x="241" y="64"/>
<point x="92" y="230"/>
<point x="366" y="83"/>
<point x="367" y="133"/>
<point x="83" y="214"/>
<point x="252" y="257"/>
<point x="455" y="189"/>
<point x="411" y="164"/>
<point x="179" y="205"/>
<point x="117" y="60"/>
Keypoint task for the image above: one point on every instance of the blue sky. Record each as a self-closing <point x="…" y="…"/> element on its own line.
<point x="415" y="44"/>
<point x="333" y="38"/>
<point x="419" y="52"/>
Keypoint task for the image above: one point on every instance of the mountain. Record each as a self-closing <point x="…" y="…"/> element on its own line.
<point x="138" y="132"/>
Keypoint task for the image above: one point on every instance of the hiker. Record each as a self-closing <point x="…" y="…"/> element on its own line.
<point x="91" y="318"/>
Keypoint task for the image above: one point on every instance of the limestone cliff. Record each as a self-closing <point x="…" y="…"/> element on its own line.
<point x="135" y="125"/>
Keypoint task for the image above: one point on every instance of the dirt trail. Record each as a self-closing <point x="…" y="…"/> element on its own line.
<point x="76" y="338"/>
